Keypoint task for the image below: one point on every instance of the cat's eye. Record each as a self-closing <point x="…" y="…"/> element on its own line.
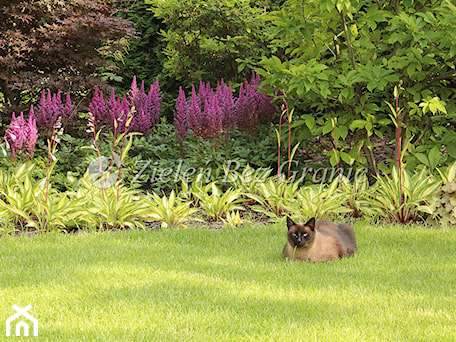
<point x="305" y="235"/>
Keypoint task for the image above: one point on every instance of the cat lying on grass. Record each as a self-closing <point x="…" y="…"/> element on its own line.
<point x="319" y="241"/>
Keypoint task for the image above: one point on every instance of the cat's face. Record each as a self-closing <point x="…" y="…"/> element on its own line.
<point x="301" y="235"/>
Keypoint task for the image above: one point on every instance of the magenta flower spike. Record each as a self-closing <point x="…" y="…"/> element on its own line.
<point x="213" y="115"/>
<point x="180" y="116"/>
<point x="98" y="108"/>
<point x="194" y="114"/>
<point x="133" y="93"/>
<point x="67" y="110"/>
<point x="15" y="134"/>
<point x="31" y="133"/>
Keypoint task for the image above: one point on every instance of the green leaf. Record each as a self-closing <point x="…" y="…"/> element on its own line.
<point x="422" y="158"/>
<point x="434" y="157"/>
<point x="357" y="124"/>
<point x="451" y="149"/>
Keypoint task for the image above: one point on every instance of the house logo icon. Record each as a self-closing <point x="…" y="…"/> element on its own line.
<point x="22" y="326"/>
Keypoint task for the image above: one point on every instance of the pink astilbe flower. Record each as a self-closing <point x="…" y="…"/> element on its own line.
<point x="133" y="93"/>
<point x="204" y="93"/>
<point x="22" y="135"/>
<point x="30" y="133"/>
<point x="14" y="135"/>
<point x="120" y="112"/>
<point x="67" y="112"/>
<point x="265" y="108"/>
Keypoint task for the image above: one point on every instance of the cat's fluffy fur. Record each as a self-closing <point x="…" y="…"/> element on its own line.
<point x="319" y="241"/>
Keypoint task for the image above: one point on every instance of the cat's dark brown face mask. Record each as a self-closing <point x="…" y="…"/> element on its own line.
<point x="301" y="235"/>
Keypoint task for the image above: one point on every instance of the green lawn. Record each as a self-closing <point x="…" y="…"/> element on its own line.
<point x="231" y="285"/>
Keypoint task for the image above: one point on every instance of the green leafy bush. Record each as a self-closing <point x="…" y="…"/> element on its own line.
<point x="341" y="59"/>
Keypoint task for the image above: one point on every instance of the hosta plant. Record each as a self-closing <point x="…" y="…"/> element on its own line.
<point x="321" y="201"/>
<point x="216" y="203"/>
<point x="247" y="180"/>
<point x="24" y="202"/>
<point x="356" y="195"/>
<point x="275" y="197"/>
<point x="18" y="194"/>
<point x="232" y="220"/>
<point x="407" y="203"/>
<point x="113" y="208"/>
<point x="171" y="211"/>
<point x="60" y="212"/>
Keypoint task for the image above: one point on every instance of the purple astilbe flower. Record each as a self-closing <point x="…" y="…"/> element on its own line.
<point x="265" y="108"/>
<point x="225" y="100"/>
<point x="180" y="116"/>
<point x="154" y="102"/>
<point x="67" y="111"/>
<point x="47" y="112"/>
<point x="14" y="135"/>
<point x="147" y="106"/>
<point x="140" y="122"/>
<point x="111" y="106"/>
<point x="120" y="112"/>
<point x="204" y="93"/>
<point x="30" y="133"/>
<point x="212" y="115"/>
<point x="133" y="93"/>
<point x="194" y="114"/>
<point x="50" y="108"/>
<point x="137" y="98"/>
<point x="99" y="109"/>
<point x="245" y="110"/>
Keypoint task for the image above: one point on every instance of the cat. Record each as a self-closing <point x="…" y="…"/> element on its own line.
<point x="319" y="241"/>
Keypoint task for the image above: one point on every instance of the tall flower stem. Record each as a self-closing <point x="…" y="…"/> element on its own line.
<point x="123" y="148"/>
<point x="96" y="134"/>
<point x="289" y="137"/>
<point x="398" y="143"/>
<point x="336" y="150"/>
<point x="279" y="144"/>
<point x="396" y="118"/>
<point x="57" y="130"/>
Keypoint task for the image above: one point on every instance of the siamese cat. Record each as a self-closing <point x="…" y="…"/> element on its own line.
<point x="319" y="241"/>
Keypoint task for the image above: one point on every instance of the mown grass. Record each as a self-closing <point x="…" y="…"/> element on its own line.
<point x="231" y="285"/>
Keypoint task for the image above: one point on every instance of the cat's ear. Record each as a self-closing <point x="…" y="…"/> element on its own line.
<point x="311" y="223"/>
<point x="290" y="223"/>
